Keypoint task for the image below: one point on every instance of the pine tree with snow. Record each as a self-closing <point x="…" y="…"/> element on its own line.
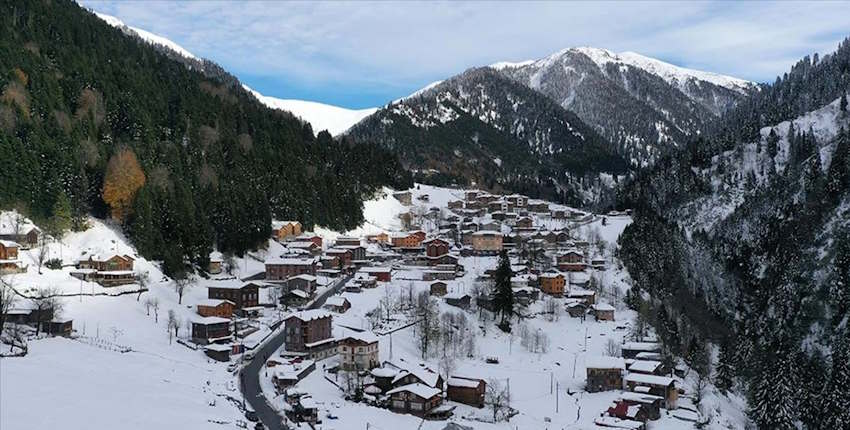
<point x="836" y="414"/>
<point x="842" y="105"/>
<point x="838" y="174"/>
<point x="503" y="294"/>
<point x="772" y="144"/>
<point x="775" y="391"/>
<point x="840" y="288"/>
<point x="724" y="378"/>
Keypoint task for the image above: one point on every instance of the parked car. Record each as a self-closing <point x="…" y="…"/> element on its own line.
<point x="251" y="415"/>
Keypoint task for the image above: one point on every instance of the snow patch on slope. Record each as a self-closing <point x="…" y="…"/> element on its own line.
<point x="321" y="116"/>
<point x="147" y="36"/>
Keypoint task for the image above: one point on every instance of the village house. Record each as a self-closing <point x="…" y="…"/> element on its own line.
<point x="210" y="329"/>
<point x="280" y="269"/>
<point x="365" y="280"/>
<point x="305" y="283"/>
<point x="586" y="296"/>
<point x="576" y="308"/>
<point x="218" y="351"/>
<point x="604" y="373"/>
<point x="306" y="327"/>
<point x="242" y="296"/>
<point x="661" y="386"/>
<point x="552" y="283"/>
<point x="106" y="269"/>
<point x="455" y="204"/>
<point x="359" y="351"/>
<point x="411" y="373"/>
<point x="295" y="298"/>
<point x="337" y="304"/>
<point x="381" y="238"/>
<point x="214" y="266"/>
<point x="632" y="349"/>
<point x="307" y="246"/>
<point x="329" y="262"/>
<point x="486" y="242"/>
<point x="438" y="288"/>
<point x="537" y="206"/>
<point x="310" y="237"/>
<point x="343" y="256"/>
<point x="625" y="411"/>
<point x="282" y="230"/>
<point x="19" y="231"/>
<point x="358" y="252"/>
<point x="442" y="275"/>
<point x="572" y="261"/>
<point x="417" y="399"/>
<point x="524" y="223"/>
<point x="460" y="300"/>
<point x="602" y="311"/>
<point x="215" y="308"/>
<point x="435" y="248"/>
<point x="651" y="404"/>
<point x="469" y="391"/>
<point x="9" y="262"/>
<point x="648" y="367"/>
<point x="347" y="241"/>
<point x="286" y="375"/>
<point x="382" y="274"/>
<point x="58" y="327"/>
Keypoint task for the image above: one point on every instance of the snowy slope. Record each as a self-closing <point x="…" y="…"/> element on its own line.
<point x="147" y="36"/>
<point x="321" y="116"/>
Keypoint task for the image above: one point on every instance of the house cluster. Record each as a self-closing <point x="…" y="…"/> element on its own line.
<point x="225" y="316"/>
<point x="416" y="389"/>
<point x="308" y="335"/>
<point x="15" y="228"/>
<point x="107" y="269"/>
<point x="639" y="376"/>
<point x="44" y="318"/>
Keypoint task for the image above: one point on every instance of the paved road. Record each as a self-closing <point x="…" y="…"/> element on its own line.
<point x="250" y="374"/>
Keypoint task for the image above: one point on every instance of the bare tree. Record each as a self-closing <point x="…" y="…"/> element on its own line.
<point x="46" y="305"/>
<point x="8" y="297"/>
<point x="230" y="263"/>
<point x="155" y="307"/>
<point x="173" y="324"/>
<point x="612" y="348"/>
<point x="41" y="252"/>
<point x="447" y="366"/>
<point x="497" y="397"/>
<point x="429" y="314"/>
<point x="181" y="285"/>
<point x="148" y="304"/>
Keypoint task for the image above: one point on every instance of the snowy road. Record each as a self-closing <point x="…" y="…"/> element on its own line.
<point x="250" y="374"/>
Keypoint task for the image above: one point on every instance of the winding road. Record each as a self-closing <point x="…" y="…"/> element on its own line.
<point x="250" y="374"/>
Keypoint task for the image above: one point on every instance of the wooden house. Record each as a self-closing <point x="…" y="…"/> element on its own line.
<point x="577" y="308"/>
<point x="572" y="261"/>
<point x="23" y="233"/>
<point x="552" y="283"/>
<point x="648" y="367"/>
<point x="338" y="304"/>
<point x="207" y="330"/>
<point x="438" y="288"/>
<point x="417" y="399"/>
<point x="347" y="241"/>
<point x="464" y="390"/>
<point x="632" y="349"/>
<point x="486" y="242"/>
<point x="58" y="327"/>
<point x="344" y="256"/>
<point x="282" y="230"/>
<point x="306" y="327"/>
<point x="218" y="351"/>
<point x="404" y="197"/>
<point x="626" y="411"/>
<point x="382" y="274"/>
<point x="455" y="204"/>
<point x="242" y="296"/>
<point x="661" y="386"/>
<point x="215" y="308"/>
<point x="280" y="269"/>
<point x="9" y="262"/>
<point x="216" y="260"/>
<point x="604" y="373"/>
<point x="435" y="248"/>
<point x="602" y="311"/>
<point x="305" y="283"/>
<point x="359" y="351"/>
<point x="651" y="404"/>
<point x="311" y="237"/>
<point x="460" y="300"/>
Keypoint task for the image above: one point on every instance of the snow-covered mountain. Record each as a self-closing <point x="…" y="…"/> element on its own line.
<point x="321" y="116"/>
<point x="642" y="105"/>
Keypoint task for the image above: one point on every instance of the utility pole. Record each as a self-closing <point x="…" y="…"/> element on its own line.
<point x="557" y="394"/>
<point x="550" y="382"/>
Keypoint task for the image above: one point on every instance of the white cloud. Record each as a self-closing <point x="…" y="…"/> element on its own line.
<point x="404" y="45"/>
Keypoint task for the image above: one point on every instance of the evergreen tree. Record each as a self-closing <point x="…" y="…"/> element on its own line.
<point x="772" y="144"/>
<point x="842" y="105"/>
<point x="775" y="390"/>
<point x="840" y="289"/>
<point x="503" y="294"/>
<point x="61" y="219"/>
<point x="724" y="379"/>
<point x="836" y="414"/>
<point x="838" y="175"/>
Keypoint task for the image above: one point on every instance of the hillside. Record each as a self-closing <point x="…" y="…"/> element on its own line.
<point x="750" y="244"/>
<point x="214" y="165"/>
<point x="482" y="128"/>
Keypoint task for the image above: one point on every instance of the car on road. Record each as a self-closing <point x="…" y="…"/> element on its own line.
<point x="251" y="415"/>
<point x="259" y="426"/>
<point x="249" y="355"/>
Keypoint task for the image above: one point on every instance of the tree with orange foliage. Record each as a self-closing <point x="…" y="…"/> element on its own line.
<point x="124" y="177"/>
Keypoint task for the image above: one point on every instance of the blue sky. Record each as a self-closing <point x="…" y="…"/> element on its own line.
<point x="361" y="54"/>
